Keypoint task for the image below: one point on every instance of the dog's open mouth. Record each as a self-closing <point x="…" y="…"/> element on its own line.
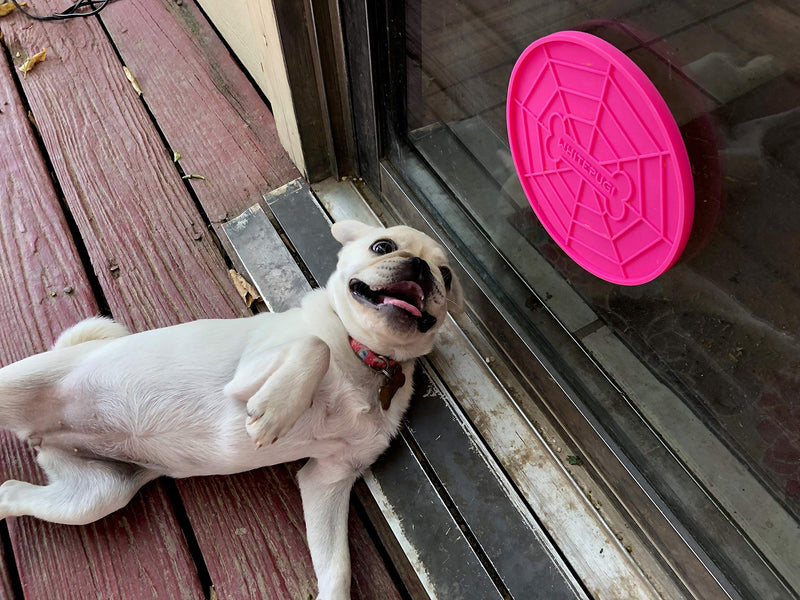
<point x="405" y="295"/>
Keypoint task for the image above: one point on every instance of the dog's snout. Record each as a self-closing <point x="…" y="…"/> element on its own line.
<point x="419" y="267"/>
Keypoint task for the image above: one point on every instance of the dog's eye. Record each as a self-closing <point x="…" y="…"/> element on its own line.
<point x="384" y="247"/>
<point x="447" y="277"/>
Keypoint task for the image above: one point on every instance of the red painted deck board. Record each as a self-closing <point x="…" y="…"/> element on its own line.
<point x="133" y="553"/>
<point x="44" y="289"/>
<point x="6" y="589"/>
<point x="203" y="103"/>
<point x="255" y="522"/>
<point x="37" y="258"/>
<point x="148" y="244"/>
<point x="155" y="262"/>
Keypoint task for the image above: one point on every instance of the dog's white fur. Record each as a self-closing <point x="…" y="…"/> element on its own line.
<point x="109" y="411"/>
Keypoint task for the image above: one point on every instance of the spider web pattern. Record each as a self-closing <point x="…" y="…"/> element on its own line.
<point x="604" y="118"/>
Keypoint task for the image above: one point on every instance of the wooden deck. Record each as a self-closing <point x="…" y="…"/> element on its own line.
<point x="97" y="217"/>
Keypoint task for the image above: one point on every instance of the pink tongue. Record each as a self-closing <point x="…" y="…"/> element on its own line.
<point x="401" y="304"/>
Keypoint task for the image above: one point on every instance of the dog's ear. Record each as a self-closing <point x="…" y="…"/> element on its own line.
<point x="347" y="231"/>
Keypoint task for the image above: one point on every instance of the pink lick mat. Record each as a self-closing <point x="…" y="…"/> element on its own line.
<point x="600" y="157"/>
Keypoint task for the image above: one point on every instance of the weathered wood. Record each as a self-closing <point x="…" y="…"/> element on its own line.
<point x="252" y="522"/>
<point x="204" y="105"/>
<point x="147" y="242"/>
<point x="6" y="587"/>
<point x="137" y="552"/>
<point x="235" y="85"/>
<point x="233" y="21"/>
<point x="44" y="289"/>
<point x="255" y="523"/>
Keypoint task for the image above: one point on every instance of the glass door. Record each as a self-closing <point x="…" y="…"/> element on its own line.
<point x="693" y="378"/>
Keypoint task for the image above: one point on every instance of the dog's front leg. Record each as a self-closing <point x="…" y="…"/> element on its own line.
<point x="286" y="390"/>
<point x="325" y="488"/>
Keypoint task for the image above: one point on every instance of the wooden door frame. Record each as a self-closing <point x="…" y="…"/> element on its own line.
<point x="294" y="51"/>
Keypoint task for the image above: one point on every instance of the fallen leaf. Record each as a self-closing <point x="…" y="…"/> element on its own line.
<point x="132" y="79"/>
<point x="176" y="156"/>
<point x="193" y="176"/>
<point x="7" y="7"/>
<point x="245" y="289"/>
<point x="31" y="61"/>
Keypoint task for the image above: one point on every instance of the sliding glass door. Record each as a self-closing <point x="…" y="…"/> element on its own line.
<point x="694" y="378"/>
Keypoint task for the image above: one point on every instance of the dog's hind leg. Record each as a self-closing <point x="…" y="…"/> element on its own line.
<point x="27" y="386"/>
<point x="28" y="389"/>
<point x="79" y="491"/>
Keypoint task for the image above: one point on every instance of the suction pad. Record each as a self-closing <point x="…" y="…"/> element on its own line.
<point x="600" y="157"/>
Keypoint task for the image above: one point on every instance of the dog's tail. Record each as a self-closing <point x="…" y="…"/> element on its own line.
<point x="95" y="328"/>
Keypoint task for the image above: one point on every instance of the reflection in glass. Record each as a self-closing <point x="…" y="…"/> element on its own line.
<point x="718" y="333"/>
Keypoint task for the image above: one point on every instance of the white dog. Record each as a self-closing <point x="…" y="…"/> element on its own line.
<point x="109" y="411"/>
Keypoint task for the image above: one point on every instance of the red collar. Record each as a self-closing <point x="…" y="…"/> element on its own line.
<point x="391" y="369"/>
<point x="372" y="359"/>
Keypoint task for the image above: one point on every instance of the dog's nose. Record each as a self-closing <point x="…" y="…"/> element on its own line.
<point x="419" y="267"/>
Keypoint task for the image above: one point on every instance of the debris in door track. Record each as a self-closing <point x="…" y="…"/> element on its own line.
<point x="246" y="291"/>
<point x="31" y="61"/>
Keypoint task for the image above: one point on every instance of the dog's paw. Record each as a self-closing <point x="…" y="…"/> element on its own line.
<point x="11" y="494"/>
<point x="269" y="420"/>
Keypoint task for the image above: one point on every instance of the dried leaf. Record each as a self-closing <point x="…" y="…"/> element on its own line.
<point x="246" y="291"/>
<point x="176" y="156"/>
<point x="7" y="7"/>
<point x="132" y="79"/>
<point x="31" y="61"/>
<point x="193" y="176"/>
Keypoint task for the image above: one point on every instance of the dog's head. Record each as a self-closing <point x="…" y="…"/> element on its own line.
<point x="392" y="288"/>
